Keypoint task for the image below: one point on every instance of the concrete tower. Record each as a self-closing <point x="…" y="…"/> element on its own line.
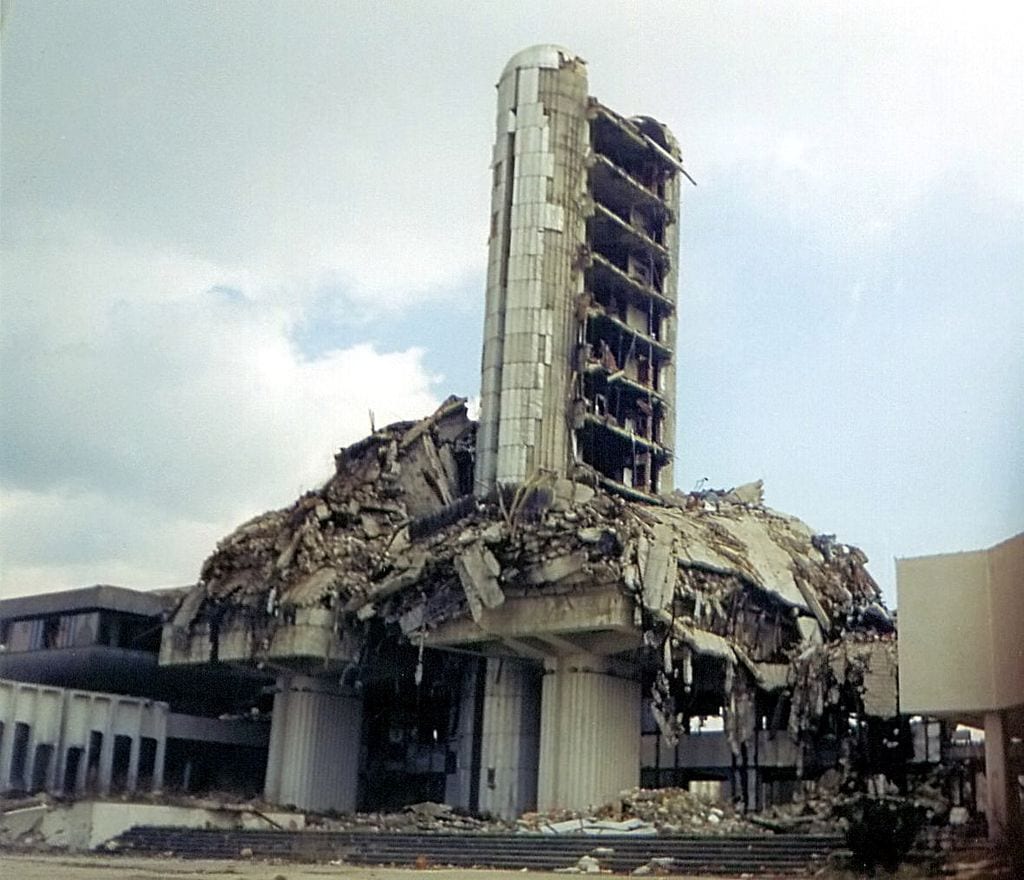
<point x="579" y="332"/>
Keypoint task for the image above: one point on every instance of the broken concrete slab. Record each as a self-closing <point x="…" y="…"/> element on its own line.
<point x="478" y="572"/>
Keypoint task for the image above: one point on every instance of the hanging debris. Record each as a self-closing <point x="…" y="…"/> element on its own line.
<point x="732" y="602"/>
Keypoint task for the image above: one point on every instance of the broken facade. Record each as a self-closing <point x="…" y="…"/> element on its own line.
<point x="585" y="605"/>
<point x="580" y="320"/>
<point x="545" y="548"/>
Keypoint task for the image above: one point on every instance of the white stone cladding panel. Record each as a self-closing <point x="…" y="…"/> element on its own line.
<point x="530" y="188"/>
<point x="531" y="115"/>
<point x="521" y="347"/>
<point x="512" y="459"/>
<point x="528" y="85"/>
<point x="522" y="404"/>
<point x="523" y="376"/>
<point x="529" y="139"/>
<point x="553" y="217"/>
<point x="536" y="164"/>
<point x="490" y="363"/>
<point x="528" y="320"/>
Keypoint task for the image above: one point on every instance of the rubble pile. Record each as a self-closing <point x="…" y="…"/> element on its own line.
<point x="673" y="810"/>
<point x="397" y="536"/>
<point x="643" y="812"/>
<point x="344" y="545"/>
<point x="427" y="817"/>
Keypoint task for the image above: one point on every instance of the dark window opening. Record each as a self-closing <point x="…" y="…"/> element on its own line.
<point x="196" y="766"/>
<point x="71" y="767"/>
<point x="92" y="766"/>
<point x="41" y="767"/>
<point x="121" y="763"/>
<point x="147" y="762"/>
<point x="19" y="758"/>
<point x="51" y="631"/>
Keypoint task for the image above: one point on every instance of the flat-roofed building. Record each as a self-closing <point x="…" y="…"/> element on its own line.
<point x="961" y="623"/>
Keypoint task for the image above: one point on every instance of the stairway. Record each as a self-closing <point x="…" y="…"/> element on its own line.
<point x="727" y="855"/>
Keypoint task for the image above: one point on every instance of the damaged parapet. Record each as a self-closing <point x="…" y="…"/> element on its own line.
<point x="580" y="323"/>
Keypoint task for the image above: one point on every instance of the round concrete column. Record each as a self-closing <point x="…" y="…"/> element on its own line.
<point x="315" y="733"/>
<point x="509" y="738"/>
<point x="589" y="732"/>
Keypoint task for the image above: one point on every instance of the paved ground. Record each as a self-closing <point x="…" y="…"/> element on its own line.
<point x="89" y="867"/>
<point x="36" y="866"/>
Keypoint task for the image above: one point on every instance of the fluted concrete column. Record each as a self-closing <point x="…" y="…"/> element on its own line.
<point x="315" y="733"/>
<point x="589" y="733"/>
<point x="458" y="789"/>
<point x="1002" y="802"/>
<point x="509" y="738"/>
<point x="159" y="761"/>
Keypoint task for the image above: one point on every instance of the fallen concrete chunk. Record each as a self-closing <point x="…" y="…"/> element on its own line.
<point x="478" y="572"/>
<point x="405" y="578"/>
<point x="748" y="493"/>
<point x="598" y="827"/>
<point x="569" y="493"/>
<point x="554" y="570"/>
<point x="658" y="569"/>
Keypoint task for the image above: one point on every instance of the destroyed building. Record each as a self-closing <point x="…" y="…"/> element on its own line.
<point x="523" y="613"/>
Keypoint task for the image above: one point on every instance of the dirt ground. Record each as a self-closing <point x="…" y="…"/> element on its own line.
<point x="38" y="866"/>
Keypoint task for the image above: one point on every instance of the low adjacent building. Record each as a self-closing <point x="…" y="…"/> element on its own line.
<point x="962" y="658"/>
<point x="85" y="707"/>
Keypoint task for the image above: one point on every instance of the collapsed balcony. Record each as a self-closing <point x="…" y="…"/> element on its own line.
<point x="640" y="147"/>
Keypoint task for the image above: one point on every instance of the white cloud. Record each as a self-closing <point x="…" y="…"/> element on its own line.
<point x="147" y="414"/>
<point x="297" y="152"/>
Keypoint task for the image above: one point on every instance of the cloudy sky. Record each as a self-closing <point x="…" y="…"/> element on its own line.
<point x="230" y="230"/>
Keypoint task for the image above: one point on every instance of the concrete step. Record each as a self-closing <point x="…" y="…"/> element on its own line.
<point x="781" y="854"/>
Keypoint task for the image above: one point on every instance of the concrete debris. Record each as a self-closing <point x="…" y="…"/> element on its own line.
<point x="426" y="817"/>
<point x="396" y="536"/>
<point x="643" y="813"/>
<point x="599" y="827"/>
<point x="585" y="865"/>
<point x="656" y="867"/>
<point x="478" y="572"/>
<point x="859" y="671"/>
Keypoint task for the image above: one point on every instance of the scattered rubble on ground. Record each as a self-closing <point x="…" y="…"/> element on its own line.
<point x="584" y="865"/>
<point x="427" y="817"/>
<point x="642" y="812"/>
<point x="656" y="867"/>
